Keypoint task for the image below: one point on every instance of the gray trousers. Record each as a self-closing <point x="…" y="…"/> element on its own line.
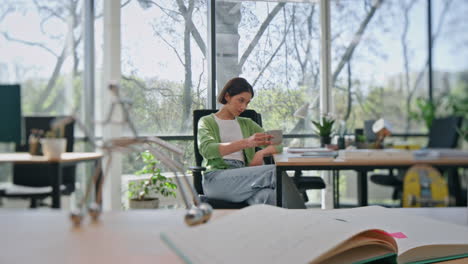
<point x="256" y="185"/>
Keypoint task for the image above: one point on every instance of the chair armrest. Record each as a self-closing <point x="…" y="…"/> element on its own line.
<point x="197" y="168"/>
<point x="268" y="160"/>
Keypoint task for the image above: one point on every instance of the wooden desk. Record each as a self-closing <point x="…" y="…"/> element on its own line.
<point x="360" y="166"/>
<point x="46" y="236"/>
<point x="55" y="166"/>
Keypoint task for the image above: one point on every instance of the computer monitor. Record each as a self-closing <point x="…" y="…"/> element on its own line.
<point x="10" y="113"/>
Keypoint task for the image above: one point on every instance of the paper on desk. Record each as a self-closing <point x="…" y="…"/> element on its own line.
<point x="374" y="154"/>
<point x="306" y="149"/>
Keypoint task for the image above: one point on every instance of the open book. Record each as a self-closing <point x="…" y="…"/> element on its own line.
<point x="267" y="234"/>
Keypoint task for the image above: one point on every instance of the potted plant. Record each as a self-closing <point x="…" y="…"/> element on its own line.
<point x="324" y="129"/>
<point x="426" y="112"/>
<point x="54" y="143"/>
<point x="142" y="193"/>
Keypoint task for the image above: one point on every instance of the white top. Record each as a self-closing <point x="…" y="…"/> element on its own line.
<point x="229" y="131"/>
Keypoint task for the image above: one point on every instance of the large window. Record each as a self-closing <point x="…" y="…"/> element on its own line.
<point x="450" y="66"/>
<point x="164" y="68"/>
<point x="42" y="49"/>
<point x="275" y="46"/>
<point x="379" y="61"/>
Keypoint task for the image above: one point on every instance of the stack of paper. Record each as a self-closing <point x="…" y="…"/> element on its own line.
<point x="306" y="149"/>
<point x="428" y="154"/>
<point x="375" y="154"/>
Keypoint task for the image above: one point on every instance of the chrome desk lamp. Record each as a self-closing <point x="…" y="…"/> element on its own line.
<point x="197" y="212"/>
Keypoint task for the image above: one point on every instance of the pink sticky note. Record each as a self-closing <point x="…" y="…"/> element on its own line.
<point x="398" y="235"/>
<point x="395" y="235"/>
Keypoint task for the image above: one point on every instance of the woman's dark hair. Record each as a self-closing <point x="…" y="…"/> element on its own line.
<point x="234" y="87"/>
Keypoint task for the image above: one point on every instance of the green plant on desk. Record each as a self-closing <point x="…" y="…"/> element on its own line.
<point x="144" y="191"/>
<point x="324" y="129"/>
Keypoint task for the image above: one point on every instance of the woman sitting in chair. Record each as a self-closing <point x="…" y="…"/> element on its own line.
<point x="235" y="172"/>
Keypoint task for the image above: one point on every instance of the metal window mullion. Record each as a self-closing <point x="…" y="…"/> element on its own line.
<point x="211" y="98"/>
<point x="89" y="70"/>
<point x="429" y="51"/>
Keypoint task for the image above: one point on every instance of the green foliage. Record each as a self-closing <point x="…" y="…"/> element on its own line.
<point x="458" y="103"/>
<point x="277" y="105"/>
<point x="426" y="112"/>
<point x="157" y="183"/>
<point x="325" y="128"/>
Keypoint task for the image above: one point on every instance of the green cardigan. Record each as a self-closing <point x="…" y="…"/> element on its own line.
<point x="209" y="140"/>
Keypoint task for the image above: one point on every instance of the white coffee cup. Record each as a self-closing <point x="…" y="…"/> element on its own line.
<point x="277" y="136"/>
<point x="53" y="147"/>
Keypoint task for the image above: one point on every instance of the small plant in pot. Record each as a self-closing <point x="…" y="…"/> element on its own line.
<point x="324" y="129"/>
<point x="54" y="143"/>
<point x="143" y="193"/>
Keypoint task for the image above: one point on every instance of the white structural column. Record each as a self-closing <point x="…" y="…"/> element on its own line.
<point x="111" y="74"/>
<point x="325" y="90"/>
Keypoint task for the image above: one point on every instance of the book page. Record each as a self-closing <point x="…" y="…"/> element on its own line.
<point x="262" y="234"/>
<point x="418" y="238"/>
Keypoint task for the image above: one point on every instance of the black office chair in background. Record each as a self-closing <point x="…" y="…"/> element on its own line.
<point x="32" y="181"/>
<point x="443" y="134"/>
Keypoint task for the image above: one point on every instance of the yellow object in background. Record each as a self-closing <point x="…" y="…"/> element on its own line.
<point x="406" y="146"/>
<point x="423" y="186"/>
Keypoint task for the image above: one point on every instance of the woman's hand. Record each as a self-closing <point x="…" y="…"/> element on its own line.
<point x="258" y="139"/>
<point x="257" y="159"/>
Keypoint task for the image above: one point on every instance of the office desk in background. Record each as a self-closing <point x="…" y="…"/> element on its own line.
<point x="360" y="166"/>
<point x="55" y="166"/>
<point x="46" y="236"/>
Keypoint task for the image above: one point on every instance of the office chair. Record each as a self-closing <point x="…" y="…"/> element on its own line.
<point x="32" y="181"/>
<point x="198" y="169"/>
<point x="442" y="134"/>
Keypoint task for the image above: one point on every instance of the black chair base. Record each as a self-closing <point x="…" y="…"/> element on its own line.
<point x="35" y="194"/>
<point x="222" y="204"/>
<point x="390" y="181"/>
<point x="305" y="183"/>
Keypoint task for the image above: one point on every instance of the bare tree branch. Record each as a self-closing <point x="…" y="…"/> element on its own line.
<point x="350" y="99"/>
<point x="355" y="41"/>
<point x="7" y="11"/>
<point x="404" y="44"/>
<point x="200" y="79"/>
<point x="194" y="31"/>
<point x="169" y="44"/>
<point x="259" y="34"/>
<point x="272" y="55"/>
<point x="166" y="92"/>
<point x="169" y="12"/>
<point x="52" y="13"/>
<point x="29" y="43"/>
<point x="53" y="79"/>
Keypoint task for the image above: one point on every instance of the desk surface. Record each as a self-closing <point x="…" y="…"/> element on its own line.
<point x="282" y="160"/>
<point x="40" y="236"/>
<point x="24" y="158"/>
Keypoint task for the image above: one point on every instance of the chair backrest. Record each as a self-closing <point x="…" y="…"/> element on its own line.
<point x="368" y="133"/>
<point x="444" y="132"/>
<point x="10" y="117"/>
<point x="36" y="175"/>
<point x="197" y="114"/>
